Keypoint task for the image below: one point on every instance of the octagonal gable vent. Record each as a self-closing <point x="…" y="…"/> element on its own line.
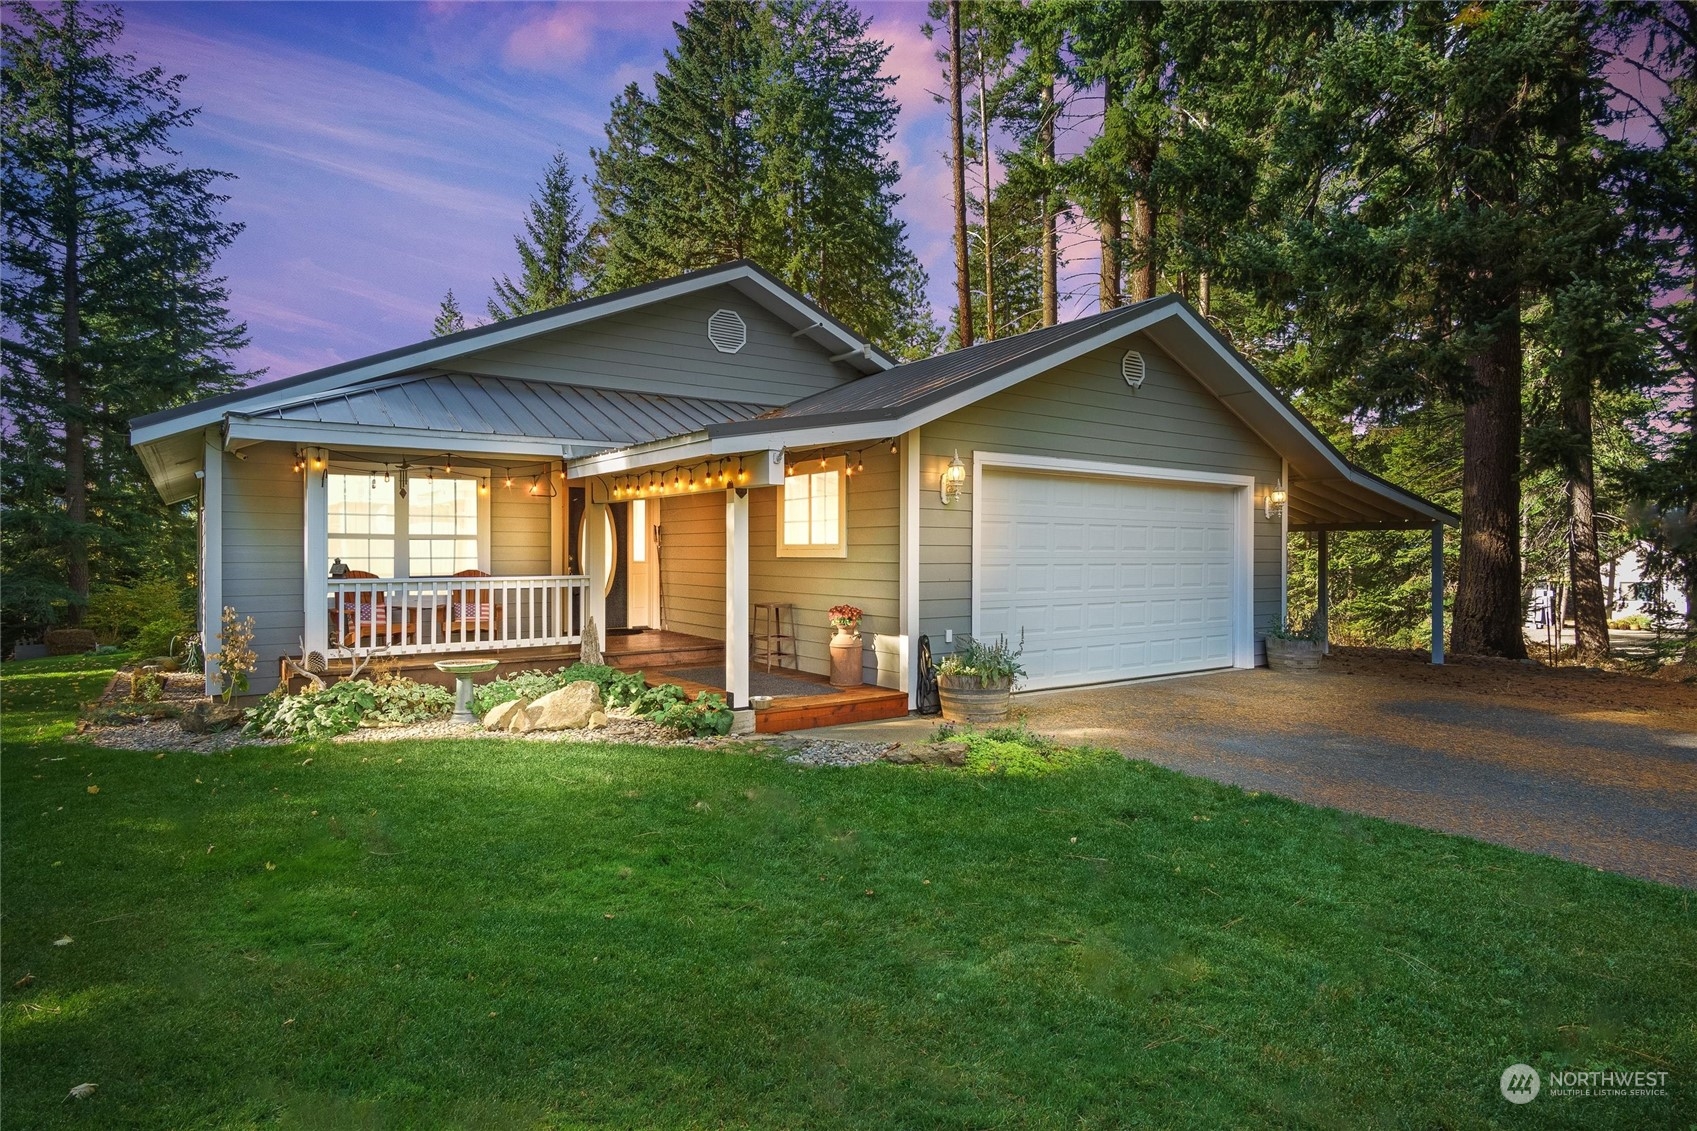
<point x="725" y="329"/>
<point x="1131" y="368"/>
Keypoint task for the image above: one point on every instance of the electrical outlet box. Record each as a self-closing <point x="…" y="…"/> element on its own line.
<point x="948" y="636"/>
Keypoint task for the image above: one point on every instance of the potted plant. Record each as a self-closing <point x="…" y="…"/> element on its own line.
<point x="845" y="646"/>
<point x="1292" y="649"/>
<point x="976" y="682"/>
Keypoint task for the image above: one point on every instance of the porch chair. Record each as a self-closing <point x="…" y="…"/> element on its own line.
<point x="364" y="617"/>
<point x="469" y="613"/>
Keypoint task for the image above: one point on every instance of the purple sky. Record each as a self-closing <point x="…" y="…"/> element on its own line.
<point x="385" y="152"/>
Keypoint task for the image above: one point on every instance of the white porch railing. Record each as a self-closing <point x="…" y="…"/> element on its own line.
<point x="454" y="614"/>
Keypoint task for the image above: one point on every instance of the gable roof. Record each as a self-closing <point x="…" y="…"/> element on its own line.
<point x="748" y="278"/>
<point x="1336" y="493"/>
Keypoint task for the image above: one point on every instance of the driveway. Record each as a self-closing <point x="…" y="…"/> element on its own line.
<point x="1587" y="766"/>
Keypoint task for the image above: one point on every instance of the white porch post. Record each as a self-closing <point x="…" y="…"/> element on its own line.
<point x="736" y="596"/>
<point x="316" y="539"/>
<point x="212" y="553"/>
<point x="1323" y="613"/>
<point x="1438" y="594"/>
<point x="595" y="562"/>
<point x="907" y="600"/>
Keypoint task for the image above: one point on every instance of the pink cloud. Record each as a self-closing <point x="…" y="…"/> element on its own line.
<point x="559" y="37"/>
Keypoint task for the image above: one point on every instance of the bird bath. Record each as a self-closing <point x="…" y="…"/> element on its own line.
<point x="462" y="671"/>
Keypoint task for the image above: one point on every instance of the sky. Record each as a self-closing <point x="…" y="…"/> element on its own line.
<point x="385" y="152"/>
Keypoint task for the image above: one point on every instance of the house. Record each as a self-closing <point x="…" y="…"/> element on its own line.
<point x="1116" y="490"/>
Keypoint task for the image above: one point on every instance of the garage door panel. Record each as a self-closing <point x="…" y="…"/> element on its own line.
<point x="1107" y="578"/>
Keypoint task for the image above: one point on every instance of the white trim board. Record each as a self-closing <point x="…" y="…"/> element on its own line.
<point x="1243" y="548"/>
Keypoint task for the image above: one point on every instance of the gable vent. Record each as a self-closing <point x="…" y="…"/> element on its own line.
<point x="726" y="331"/>
<point x="1131" y="368"/>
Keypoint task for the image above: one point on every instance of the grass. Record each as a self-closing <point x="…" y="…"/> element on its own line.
<point x="540" y="935"/>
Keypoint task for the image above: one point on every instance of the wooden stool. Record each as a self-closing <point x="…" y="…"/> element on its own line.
<point x="769" y="641"/>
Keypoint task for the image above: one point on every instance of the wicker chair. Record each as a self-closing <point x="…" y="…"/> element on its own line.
<point x="470" y="614"/>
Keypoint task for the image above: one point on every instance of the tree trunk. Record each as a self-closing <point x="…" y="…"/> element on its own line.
<point x="70" y="363"/>
<point x="989" y="235"/>
<point x="1487" y="599"/>
<point x="1051" y="248"/>
<point x="1141" y="276"/>
<point x="1590" y="606"/>
<point x="1204" y="294"/>
<point x="957" y="153"/>
<point x="1110" y="220"/>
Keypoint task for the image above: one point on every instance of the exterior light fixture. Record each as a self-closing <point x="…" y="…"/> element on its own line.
<point x="1275" y="503"/>
<point x="742" y="472"/>
<point x="954" y="478"/>
<point x="895" y="446"/>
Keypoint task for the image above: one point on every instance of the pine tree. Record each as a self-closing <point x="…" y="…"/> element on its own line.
<point x="765" y="139"/>
<point x="553" y="256"/>
<point x="449" y="319"/>
<point x="957" y="166"/>
<point x="112" y="309"/>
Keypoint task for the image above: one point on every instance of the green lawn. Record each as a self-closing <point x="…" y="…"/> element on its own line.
<point x="540" y="935"/>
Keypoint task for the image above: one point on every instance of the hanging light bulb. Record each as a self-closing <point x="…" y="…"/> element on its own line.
<point x="742" y="472"/>
<point x="483" y="486"/>
<point x="535" y="484"/>
<point x="385" y="473"/>
<point x="893" y="446"/>
<point x="677" y="479"/>
<point x="859" y="462"/>
<point x="721" y="475"/>
<point x="821" y="459"/>
<point x="449" y="470"/>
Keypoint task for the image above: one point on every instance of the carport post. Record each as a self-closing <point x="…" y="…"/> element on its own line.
<point x="1438" y="593"/>
<point x="1323" y="613"/>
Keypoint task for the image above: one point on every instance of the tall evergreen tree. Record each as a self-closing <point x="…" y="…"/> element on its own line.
<point x="553" y="254"/>
<point x="111" y="305"/>
<point x="766" y="139"/>
<point x="449" y="318"/>
<point x="957" y="166"/>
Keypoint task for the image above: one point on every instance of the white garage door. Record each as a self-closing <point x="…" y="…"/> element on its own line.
<point x="1107" y="578"/>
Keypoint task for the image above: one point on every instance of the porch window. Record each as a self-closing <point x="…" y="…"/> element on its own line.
<point x="812" y="510"/>
<point x="437" y="529"/>
<point x="441" y="526"/>
<point x="362" y="523"/>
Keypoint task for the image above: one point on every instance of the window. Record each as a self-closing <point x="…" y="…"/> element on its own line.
<point x="441" y="526"/>
<point x="438" y="529"/>
<point x="639" y="530"/>
<point x="362" y="522"/>
<point x="812" y="510"/>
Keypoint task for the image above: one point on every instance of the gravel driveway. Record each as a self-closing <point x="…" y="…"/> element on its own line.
<point x="1587" y="766"/>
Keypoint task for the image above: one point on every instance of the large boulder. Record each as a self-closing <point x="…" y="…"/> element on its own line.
<point x="569" y="708"/>
<point x="208" y="716"/>
<point x="503" y="716"/>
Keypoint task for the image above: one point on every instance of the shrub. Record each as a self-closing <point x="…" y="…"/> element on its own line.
<point x="706" y="715"/>
<point x="236" y="659"/>
<point x="1015" y="752"/>
<point x="158" y="636"/>
<point x="618" y="689"/>
<point x="119" y="612"/>
<point x="342" y="707"/>
<point x="147" y="686"/>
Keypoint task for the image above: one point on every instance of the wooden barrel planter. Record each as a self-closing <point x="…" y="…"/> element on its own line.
<point x="966" y="700"/>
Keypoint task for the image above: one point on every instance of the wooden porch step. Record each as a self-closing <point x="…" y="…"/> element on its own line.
<point x="807" y="711"/>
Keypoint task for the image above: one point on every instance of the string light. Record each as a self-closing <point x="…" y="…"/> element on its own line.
<point x="742" y="472"/>
<point x="509" y="474"/>
<point x="893" y="446"/>
<point x="859" y="462"/>
<point x="535" y="484"/>
<point x="848" y="468"/>
<point x="677" y="479"/>
<point x="722" y="478"/>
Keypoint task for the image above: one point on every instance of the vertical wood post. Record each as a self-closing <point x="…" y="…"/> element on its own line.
<point x="316" y="523"/>
<point x="595" y="562"/>
<point x="907" y="600"/>
<point x="1323" y="614"/>
<point x="212" y="553"/>
<point x="736" y="596"/>
<point x="1438" y="594"/>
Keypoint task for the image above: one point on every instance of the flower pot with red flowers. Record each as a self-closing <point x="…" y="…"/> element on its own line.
<point x="845" y="646"/>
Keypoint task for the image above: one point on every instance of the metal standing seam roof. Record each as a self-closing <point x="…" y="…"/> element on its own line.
<point x="507" y="406"/>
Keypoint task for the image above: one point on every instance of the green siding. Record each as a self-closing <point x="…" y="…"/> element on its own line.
<point x="1084" y="410"/>
<point x="264" y="558"/>
<point x="663" y="348"/>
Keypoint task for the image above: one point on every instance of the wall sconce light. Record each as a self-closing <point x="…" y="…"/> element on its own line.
<point x="954" y="478"/>
<point x="1275" y="503"/>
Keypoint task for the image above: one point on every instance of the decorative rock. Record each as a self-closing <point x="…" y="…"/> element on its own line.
<point x="568" y="708"/>
<point x="501" y="715"/>
<point x="206" y="717"/>
<point x="901" y="756"/>
<point x="589" y="649"/>
<point x="597" y="721"/>
<point x="941" y="753"/>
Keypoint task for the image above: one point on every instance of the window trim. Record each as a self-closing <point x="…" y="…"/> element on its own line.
<point x="817" y="550"/>
<point x="403" y="533"/>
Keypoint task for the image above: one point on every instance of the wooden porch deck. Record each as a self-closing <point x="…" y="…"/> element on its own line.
<point x="656" y="653"/>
